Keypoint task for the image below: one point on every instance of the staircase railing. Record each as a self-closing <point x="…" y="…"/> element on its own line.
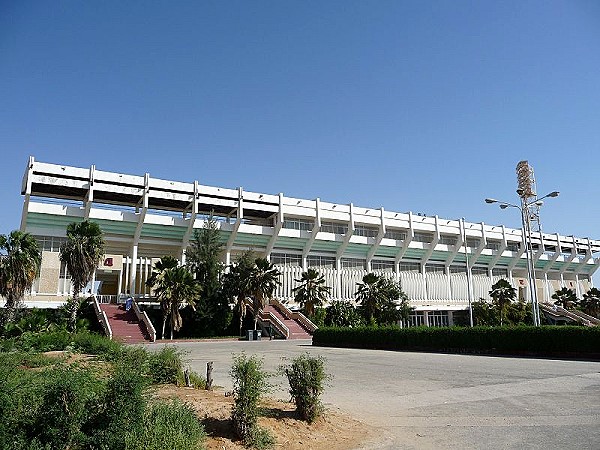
<point x="267" y="316"/>
<point x="577" y="316"/>
<point x="143" y="317"/>
<point x="102" y="318"/>
<point x="306" y="323"/>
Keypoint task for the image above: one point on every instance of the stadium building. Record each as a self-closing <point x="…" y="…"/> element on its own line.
<point x="437" y="261"/>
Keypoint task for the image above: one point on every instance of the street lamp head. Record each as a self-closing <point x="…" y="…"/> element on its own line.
<point x="503" y="206"/>
<point x="520" y="192"/>
<point x="553" y="194"/>
<point x="491" y="200"/>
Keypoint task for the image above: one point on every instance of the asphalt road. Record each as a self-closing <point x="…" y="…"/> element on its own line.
<point x="422" y="400"/>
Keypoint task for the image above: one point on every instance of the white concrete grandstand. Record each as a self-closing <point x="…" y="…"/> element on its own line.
<point x="144" y="218"/>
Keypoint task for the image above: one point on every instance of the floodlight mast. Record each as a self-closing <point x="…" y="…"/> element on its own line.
<point x="530" y="212"/>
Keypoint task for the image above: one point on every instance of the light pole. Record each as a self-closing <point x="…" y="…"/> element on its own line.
<point x="526" y="233"/>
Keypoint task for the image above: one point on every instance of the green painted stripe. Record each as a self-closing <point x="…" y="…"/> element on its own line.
<point x="439" y="255"/>
<point x="325" y="246"/>
<point x="163" y="231"/>
<point x="387" y="251"/>
<point x="357" y="249"/>
<point x="117" y="227"/>
<point x="50" y="220"/>
<point x="414" y="253"/>
<point x="251" y="239"/>
<point x="291" y="243"/>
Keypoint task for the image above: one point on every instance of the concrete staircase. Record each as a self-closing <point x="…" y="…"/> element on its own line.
<point x="296" y="330"/>
<point x="125" y="325"/>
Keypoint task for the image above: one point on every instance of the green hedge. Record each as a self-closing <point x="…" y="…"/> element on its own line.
<point x="518" y="340"/>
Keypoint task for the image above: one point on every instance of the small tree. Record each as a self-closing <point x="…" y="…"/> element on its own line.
<point x="175" y="287"/>
<point x="591" y="302"/>
<point x="265" y="278"/>
<point x="82" y="252"/>
<point x="249" y="384"/>
<point x="342" y="314"/>
<point x="203" y="258"/>
<point x="381" y="300"/>
<point x="20" y="260"/>
<point x="237" y="283"/>
<point x="565" y="298"/>
<point x="306" y="375"/>
<point x="485" y="313"/>
<point x="503" y="294"/>
<point x="312" y="291"/>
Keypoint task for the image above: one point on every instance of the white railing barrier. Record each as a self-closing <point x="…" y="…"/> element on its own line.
<point x="143" y="317"/>
<point x="294" y="315"/>
<point x="102" y="318"/>
<point x="266" y="316"/>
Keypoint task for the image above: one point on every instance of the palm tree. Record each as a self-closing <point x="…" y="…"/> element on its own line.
<point x="165" y="262"/>
<point x="20" y="260"/>
<point x="312" y="292"/>
<point x="238" y="283"/>
<point x="591" y="302"/>
<point x="565" y="297"/>
<point x="174" y="287"/>
<point x="503" y="294"/>
<point x="265" y="278"/>
<point x="82" y="252"/>
<point x="370" y="295"/>
<point x="382" y="300"/>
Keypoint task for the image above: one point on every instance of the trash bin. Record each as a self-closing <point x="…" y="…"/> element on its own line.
<point x="254" y="335"/>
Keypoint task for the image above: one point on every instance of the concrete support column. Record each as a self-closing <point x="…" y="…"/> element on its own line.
<point x="133" y="270"/>
<point x="426" y="318"/>
<point x="450" y="318"/>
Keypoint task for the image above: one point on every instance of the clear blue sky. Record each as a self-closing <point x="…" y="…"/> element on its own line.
<point x="410" y="105"/>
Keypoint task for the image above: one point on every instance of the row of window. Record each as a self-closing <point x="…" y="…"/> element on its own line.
<point x="361" y="230"/>
<point x="287" y="259"/>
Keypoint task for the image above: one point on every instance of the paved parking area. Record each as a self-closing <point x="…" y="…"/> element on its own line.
<point x="422" y="400"/>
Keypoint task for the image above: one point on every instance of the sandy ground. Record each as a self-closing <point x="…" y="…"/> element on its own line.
<point x="334" y="431"/>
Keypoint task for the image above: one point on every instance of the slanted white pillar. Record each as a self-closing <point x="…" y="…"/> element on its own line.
<point x="26" y="190"/>
<point x="236" y="226"/>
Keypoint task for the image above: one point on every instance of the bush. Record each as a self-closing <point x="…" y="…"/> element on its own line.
<point x="166" y="366"/>
<point x="545" y="340"/>
<point x="306" y="375"/>
<point x="165" y="425"/>
<point x="249" y="384"/>
<point x="66" y="403"/>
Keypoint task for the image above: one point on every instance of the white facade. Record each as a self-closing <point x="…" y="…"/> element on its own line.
<point x="144" y="218"/>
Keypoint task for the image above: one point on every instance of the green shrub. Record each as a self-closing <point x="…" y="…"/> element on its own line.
<point x="306" y="375"/>
<point x="68" y="399"/>
<point x="165" y="366"/>
<point x="96" y="344"/>
<point x="545" y="340"/>
<point x="171" y="425"/>
<point x="249" y="384"/>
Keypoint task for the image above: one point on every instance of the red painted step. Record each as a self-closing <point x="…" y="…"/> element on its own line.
<point x="124" y="324"/>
